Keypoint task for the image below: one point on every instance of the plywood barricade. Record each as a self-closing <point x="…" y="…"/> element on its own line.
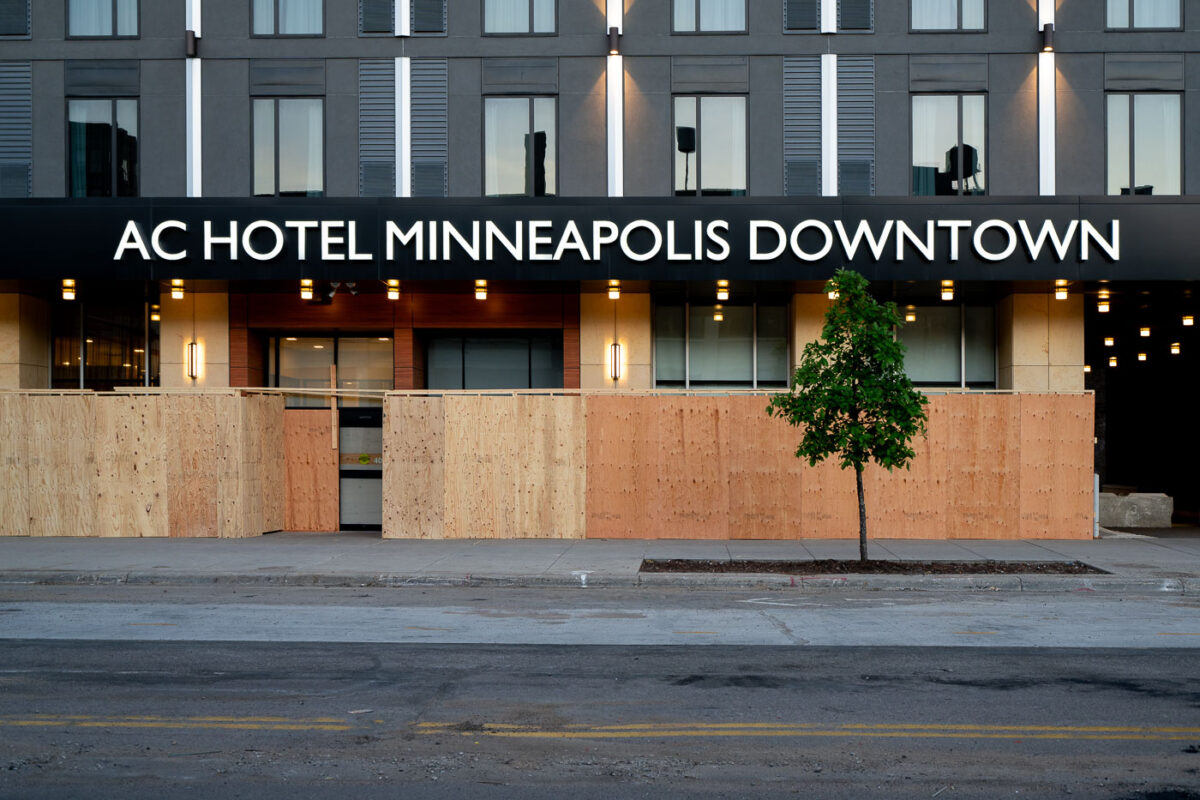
<point x="129" y="465"/>
<point x="994" y="466"/>
<point x="311" y="470"/>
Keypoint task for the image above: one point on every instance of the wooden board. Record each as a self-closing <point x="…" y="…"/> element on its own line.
<point x="983" y="466"/>
<point x="131" y="477"/>
<point x="14" y="466"/>
<point x="1056" y="500"/>
<point x="414" y="453"/>
<point x="551" y="467"/>
<point x="197" y="457"/>
<point x="765" y="478"/>
<point x="910" y="503"/>
<point x="311" y="471"/>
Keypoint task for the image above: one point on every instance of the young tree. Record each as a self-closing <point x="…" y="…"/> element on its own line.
<point x="850" y="394"/>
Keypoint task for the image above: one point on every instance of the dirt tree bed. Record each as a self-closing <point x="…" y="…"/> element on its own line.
<point x="831" y="566"/>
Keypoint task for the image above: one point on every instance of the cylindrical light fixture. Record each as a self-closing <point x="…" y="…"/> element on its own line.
<point x="481" y="289"/>
<point x="614" y="42"/>
<point x="68" y="289"/>
<point x="1060" y="289"/>
<point x="1087" y="368"/>
<point x="1109" y="341"/>
<point x="1175" y="348"/>
<point x="718" y="313"/>
<point x="947" y="290"/>
<point x="1189" y="321"/>
<point x="1048" y="37"/>
<point x="722" y="290"/>
<point x="614" y="289"/>
<point x="1102" y="306"/>
<point x="834" y="295"/>
<point x="306" y="289"/>
<point x="1112" y="361"/>
<point x="1145" y="332"/>
<point x="393" y="289"/>
<point x="193" y="360"/>
<point x="1141" y="356"/>
<point x="910" y="314"/>
<point x="155" y="313"/>
<point x="177" y="288"/>
<point x="614" y="361"/>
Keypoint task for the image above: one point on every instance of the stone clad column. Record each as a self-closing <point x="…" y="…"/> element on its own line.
<point x="202" y="318"/>
<point x="1040" y="343"/>
<point x="24" y="342"/>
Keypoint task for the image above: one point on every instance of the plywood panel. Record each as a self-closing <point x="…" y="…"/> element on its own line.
<point x="482" y="444"/>
<point x="131" y="476"/>
<point x="693" y="498"/>
<point x="60" y="458"/>
<point x="14" y="467"/>
<point x="622" y="465"/>
<point x="196" y="457"/>
<point x="551" y="465"/>
<point x="983" y="467"/>
<point x="311" y="471"/>
<point x="911" y="503"/>
<point x="1055" y="463"/>
<point x="765" y="477"/>
<point x="414" y="452"/>
<point x="266" y="475"/>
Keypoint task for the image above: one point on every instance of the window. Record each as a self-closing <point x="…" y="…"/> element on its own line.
<point x="102" y="148"/>
<point x="742" y="346"/>
<point x="1145" y="154"/>
<point x="303" y="362"/>
<point x="14" y="17"/>
<point x="102" y="18"/>
<point x="1144" y="14"/>
<point x="519" y="146"/>
<point x="948" y="141"/>
<point x="495" y="360"/>
<point x="709" y="16"/>
<point x="710" y="146"/>
<point x="518" y="16"/>
<point x="104" y="339"/>
<point x="289" y="147"/>
<point x="950" y="345"/>
<point x="288" y="17"/>
<point x="948" y="15"/>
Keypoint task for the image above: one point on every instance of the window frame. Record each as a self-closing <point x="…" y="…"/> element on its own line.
<point x="686" y="304"/>
<point x="529" y="98"/>
<point x="987" y="134"/>
<point x="957" y="29"/>
<point x="1132" y="27"/>
<point x="324" y="142"/>
<point x="275" y="25"/>
<point x="731" y="32"/>
<point x="112" y="101"/>
<point x="674" y="146"/>
<point x="96" y="36"/>
<point x="1133" y="143"/>
<point x="531" y="32"/>
<point x="964" y="309"/>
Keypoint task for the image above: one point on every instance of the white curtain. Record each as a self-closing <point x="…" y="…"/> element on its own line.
<point x="543" y="16"/>
<point x="1157" y="149"/>
<point x="973" y="17"/>
<point x="299" y="17"/>
<point x="685" y="15"/>
<point x="264" y="17"/>
<point x="1118" y="13"/>
<point x="723" y="145"/>
<point x="722" y="15"/>
<point x="933" y="15"/>
<point x="506" y="16"/>
<point x="1156" y="14"/>
<point x="91" y="18"/>
<point x="127" y="17"/>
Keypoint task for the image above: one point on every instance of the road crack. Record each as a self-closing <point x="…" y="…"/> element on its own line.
<point x="782" y="627"/>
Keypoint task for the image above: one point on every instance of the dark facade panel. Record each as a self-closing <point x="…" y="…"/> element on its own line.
<point x="710" y="75"/>
<point x="376" y="16"/>
<point x="802" y="126"/>
<point x="287" y="77"/>
<point x="1135" y="72"/>
<point x="102" y="78"/>
<point x="856" y="125"/>
<point x="520" y="76"/>
<point x="856" y="15"/>
<point x="430" y="122"/>
<point x="948" y="73"/>
<point x="14" y="17"/>
<point x="376" y="127"/>
<point x="16" y="128"/>
<point x="429" y="16"/>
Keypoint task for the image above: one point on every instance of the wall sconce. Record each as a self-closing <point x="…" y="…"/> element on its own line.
<point x="614" y="42"/>
<point x="1175" y="348"/>
<point x="393" y="289"/>
<point x="176" y="288"/>
<point x="947" y="290"/>
<point x="68" y="289"/>
<point x="1112" y="361"/>
<point x="193" y="360"/>
<point x="1109" y="341"/>
<point x="1144" y="332"/>
<point x="614" y="361"/>
<point x="614" y="289"/>
<point x="910" y="314"/>
<point x="722" y="290"/>
<point x="481" y="289"/>
<point x="1189" y="321"/>
<point x="306" y="289"/>
<point x="718" y="313"/>
<point x="1060" y="289"/>
<point x="1048" y="37"/>
<point x="1141" y="356"/>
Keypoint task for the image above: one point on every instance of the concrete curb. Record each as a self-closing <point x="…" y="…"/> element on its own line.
<point x="1046" y="584"/>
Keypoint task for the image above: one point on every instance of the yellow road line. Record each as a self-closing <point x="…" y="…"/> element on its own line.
<point x="978" y="633"/>
<point x="1179" y="634"/>
<point x="706" y="633"/>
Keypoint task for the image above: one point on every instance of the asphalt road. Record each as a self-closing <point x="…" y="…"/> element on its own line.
<point x="166" y="714"/>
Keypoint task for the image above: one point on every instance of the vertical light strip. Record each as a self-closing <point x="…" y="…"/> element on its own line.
<point x="616" y="126"/>
<point x="615" y="14"/>
<point x="829" y="9"/>
<point x="829" y="131"/>
<point x="403" y="126"/>
<point x="192" y="17"/>
<point x="402" y="22"/>
<point x="1047" y="107"/>
<point x="195" y="104"/>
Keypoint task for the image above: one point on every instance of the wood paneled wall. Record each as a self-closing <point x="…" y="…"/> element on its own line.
<point x="713" y="467"/>
<point x="140" y="465"/>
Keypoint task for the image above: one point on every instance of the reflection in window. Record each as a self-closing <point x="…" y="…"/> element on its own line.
<point x="304" y="362"/>
<point x="103" y="340"/>
<point x="519" y="146"/>
<point x="495" y="360"/>
<point x="102" y="18"/>
<point x="102" y="148"/>
<point x="1144" y="14"/>
<point x="1145" y="153"/>
<point x="743" y="346"/>
<point x="289" y="17"/>
<point x="948" y="15"/>
<point x="949" y="134"/>
<point x="941" y="340"/>
<point x="710" y="145"/>
<point x="289" y="147"/>
<point x="709" y="16"/>
<point x="518" y="16"/>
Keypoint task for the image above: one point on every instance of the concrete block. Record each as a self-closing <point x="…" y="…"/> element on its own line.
<point x="1139" y="510"/>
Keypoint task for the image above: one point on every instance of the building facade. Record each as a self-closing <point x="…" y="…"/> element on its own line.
<point x="605" y="194"/>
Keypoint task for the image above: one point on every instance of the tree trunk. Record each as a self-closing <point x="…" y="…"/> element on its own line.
<point x="862" y="516"/>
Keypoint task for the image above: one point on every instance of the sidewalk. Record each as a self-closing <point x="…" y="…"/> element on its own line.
<point x="1138" y="565"/>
